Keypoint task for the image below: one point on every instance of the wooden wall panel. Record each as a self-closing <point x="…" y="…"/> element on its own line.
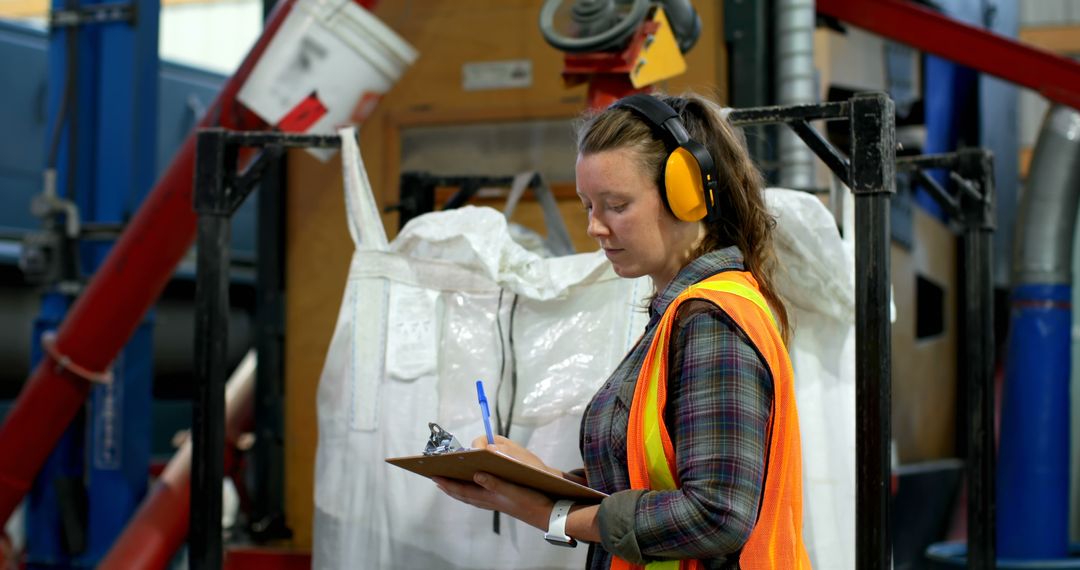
<point x="447" y="33"/>
<point x="924" y="370"/>
<point x="318" y="250"/>
<point x="1063" y="39"/>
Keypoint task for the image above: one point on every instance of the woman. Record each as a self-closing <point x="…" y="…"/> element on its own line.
<point x="695" y="435"/>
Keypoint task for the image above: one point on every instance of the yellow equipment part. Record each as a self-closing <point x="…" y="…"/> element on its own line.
<point x="660" y="58"/>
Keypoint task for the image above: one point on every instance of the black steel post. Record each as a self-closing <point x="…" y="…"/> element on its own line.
<point x="219" y="191"/>
<point x="268" y="458"/>
<point x="977" y="351"/>
<point x="873" y="181"/>
<point x="211" y="339"/>
<point x="748" y="37"/>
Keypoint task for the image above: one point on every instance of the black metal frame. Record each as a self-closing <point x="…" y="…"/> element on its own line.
<point x="869" y="170"/>
<point x="418" y="192"/>
<point x="219" y="191"/>
<point x="972" y="210"/>
<point x="870" y="173"/>
<point x="267" y="474"/>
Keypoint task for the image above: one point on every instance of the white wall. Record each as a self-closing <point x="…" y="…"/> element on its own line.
<point x="214" y="36"/>
<point x="1049" y="12"/>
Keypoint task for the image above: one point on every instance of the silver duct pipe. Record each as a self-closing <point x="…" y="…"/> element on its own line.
<point x="1033" y="460"/>
<point x="795" y="85"/>
<point x="1046" y="223"/>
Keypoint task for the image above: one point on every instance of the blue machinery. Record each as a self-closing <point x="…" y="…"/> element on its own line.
<point x="1035" y="430"/>
<point x="102" y="110"/>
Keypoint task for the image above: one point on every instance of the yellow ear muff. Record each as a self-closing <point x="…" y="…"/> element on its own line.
<point x="682" y="181"/>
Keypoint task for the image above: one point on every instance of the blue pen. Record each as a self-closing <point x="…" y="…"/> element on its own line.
<point x="484" y="410"/>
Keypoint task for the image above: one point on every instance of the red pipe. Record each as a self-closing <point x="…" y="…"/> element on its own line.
<point x="160" y="525"/>
<point x="1055" y="77"/>
<point x="127" y="284"/>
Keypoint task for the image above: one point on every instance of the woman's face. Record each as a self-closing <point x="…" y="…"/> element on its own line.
<point x="635" y="230"/>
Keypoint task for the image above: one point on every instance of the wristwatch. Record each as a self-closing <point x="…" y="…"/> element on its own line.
<point x="556" y="533"/>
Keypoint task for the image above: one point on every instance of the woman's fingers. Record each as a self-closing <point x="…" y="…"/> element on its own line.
<point x="487" y="481"/>
<point x="513" y="449"/>
<point x="467" y="492"/>
<point x="480" y="442"/>
<point x="489" y="492"/>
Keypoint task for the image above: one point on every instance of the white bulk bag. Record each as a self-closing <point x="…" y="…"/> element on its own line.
<point x="424" y="317"/>
<point x="816" y="279"/>
<point x="421" y="320"/>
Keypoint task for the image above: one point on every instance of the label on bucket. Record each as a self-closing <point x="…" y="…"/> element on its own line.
<point x="328" y="56"/>
<point x="305" y="114"/>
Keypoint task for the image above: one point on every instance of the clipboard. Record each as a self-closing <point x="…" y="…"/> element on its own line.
<point x="453" y="462"/>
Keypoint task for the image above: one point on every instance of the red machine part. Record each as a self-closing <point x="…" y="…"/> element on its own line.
<point x="160" y="525"/>
<point x="128" y="283"/>
<point x="1055" y="77"/>
<point x="608" y="73"/>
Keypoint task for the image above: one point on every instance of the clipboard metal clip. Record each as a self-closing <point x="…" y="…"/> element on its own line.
<point x="441" y="441"/>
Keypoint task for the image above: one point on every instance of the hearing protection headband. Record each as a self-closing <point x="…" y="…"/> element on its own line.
<point x="690" y="179"/>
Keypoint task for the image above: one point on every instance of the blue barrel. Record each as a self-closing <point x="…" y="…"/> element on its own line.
<point x="1033" y="462"/>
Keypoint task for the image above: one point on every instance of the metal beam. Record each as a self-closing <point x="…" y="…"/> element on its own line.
<point x="837" y="162"/>
<point x="873" y="181"/>
<point x="1055" y="77"/>
<point x="789" y="114"/>
<point x="268" y="455"/>
<point x="219" y="191"/>
<point x="211" y="338"/>
<point x="977" y="351"/>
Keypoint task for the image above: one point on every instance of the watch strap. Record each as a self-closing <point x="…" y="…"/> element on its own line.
<point x="556" y="533"/>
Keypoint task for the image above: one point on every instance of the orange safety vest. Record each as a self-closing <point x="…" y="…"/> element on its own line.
<point x="776" y="541"/>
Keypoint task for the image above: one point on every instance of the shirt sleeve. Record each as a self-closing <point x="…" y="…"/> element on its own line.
<point x="717" y="414"/>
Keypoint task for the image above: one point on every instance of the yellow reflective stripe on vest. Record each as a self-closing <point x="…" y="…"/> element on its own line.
<point x="739" y="289"/>
<point x="776" y="541"/>
<point x="660" y="478"/>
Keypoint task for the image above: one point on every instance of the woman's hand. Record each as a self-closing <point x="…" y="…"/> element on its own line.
<point x="495" y="494"/>
<point x="509" y="447"/>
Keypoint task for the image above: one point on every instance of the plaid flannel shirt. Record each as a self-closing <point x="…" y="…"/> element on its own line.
<point x="717" y="414"/>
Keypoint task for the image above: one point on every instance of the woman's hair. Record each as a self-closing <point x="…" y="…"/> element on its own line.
<point x="744" y="221"/>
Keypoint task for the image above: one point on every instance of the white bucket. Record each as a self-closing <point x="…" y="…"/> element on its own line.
<point x="327" y="66"/>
